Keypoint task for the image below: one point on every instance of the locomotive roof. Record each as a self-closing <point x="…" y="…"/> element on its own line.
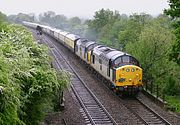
<point x="81" y="41"/>
<point x="98" y="49"/>
<point x="88" y="43"/>
<point x="107" y="53"/>
<point x="91" y="43"/>
<point x="113" y="53"/>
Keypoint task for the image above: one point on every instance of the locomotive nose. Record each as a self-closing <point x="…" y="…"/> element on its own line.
<point x="129" y="75"/>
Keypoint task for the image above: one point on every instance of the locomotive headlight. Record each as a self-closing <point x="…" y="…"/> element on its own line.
<point x="137" y="75"/>
<point x="132" y="69"/>
<point x="127" y="70"/>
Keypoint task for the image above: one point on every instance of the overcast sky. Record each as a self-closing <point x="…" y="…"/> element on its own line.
<point x="82" y="8"/>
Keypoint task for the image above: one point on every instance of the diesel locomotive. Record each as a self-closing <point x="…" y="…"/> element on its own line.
<point x="121" y="71"/>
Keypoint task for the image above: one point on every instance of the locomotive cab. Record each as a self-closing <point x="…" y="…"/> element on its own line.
<point x="127" y="74"/>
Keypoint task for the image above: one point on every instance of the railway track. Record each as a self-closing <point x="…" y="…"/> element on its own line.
<point x="143" y="114"/>
<point x="95" y="113"/>
<point x="147" y="115"/>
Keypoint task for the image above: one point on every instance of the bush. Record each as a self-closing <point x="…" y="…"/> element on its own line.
<point x="28" y="84"/>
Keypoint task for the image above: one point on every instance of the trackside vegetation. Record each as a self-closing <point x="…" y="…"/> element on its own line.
<point x="150" y="40"/>
<point x="29" y="87"/>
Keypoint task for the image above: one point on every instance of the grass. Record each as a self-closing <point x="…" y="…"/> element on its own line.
<point x="173" y="103"/>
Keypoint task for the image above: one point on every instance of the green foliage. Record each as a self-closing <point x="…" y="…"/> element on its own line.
<point x="149" y="39"/>
<point x="102" y="18"/>
<point x="21" y="17"/>
<point x="28" y="84"/>
<point x="132" y="29"/>
<point x="3" y="17"/>
<point x="171" y="87"/>
<point x="75" y="21"/>
<point x="175" y="52"/>
<point x="151" y="50"/>
<point x="102" y="22"/>
<point x="173" y="103"/>
<point x="174" y="12"/>
<point x="117" y="29"/>
<point x="73" y="25"/>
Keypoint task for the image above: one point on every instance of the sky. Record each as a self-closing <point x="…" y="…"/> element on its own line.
<point x="82" y="8"/>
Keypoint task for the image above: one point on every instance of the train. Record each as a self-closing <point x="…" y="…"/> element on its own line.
<point x="119" y="70"/>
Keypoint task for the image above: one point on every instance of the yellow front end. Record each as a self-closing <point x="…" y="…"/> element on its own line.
<point x="128" y="77"/>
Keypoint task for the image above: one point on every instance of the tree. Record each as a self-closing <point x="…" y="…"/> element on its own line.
<point x="74" y="21"/>
<point x="59" y="21"/>
<point x="3" y="17"/>
<point x="151" y="50"/>
<point x="102" y="18"/>
<point x="47" y="17"/>
<point x="132" y="29"/>
<point x="21" y="17"/>
<point x="50" y="18"/>
<point x="29" y="87"/>
<point x="174" y="12"/>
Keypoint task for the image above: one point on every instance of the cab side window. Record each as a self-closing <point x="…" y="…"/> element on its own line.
<point x="93" y="59"/>
<point x="134" y="61"/>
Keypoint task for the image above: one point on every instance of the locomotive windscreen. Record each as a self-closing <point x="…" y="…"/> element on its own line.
<point x="124" y="60"/>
